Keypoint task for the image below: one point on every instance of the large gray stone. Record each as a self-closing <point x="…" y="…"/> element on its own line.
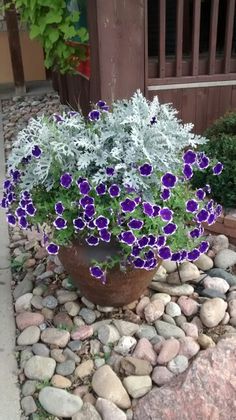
<point x="173" y="290"/>
<point x="58" y="402"/>
<point x="167" y="330"/>
<point x="40" y="368"/>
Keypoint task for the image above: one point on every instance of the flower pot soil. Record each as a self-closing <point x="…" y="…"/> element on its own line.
<point x="121" y="287"/>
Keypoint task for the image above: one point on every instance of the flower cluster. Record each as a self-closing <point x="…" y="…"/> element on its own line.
<point x="167" y="226"/>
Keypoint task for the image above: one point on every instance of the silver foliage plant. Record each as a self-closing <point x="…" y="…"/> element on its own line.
<point x="133" y="132"/>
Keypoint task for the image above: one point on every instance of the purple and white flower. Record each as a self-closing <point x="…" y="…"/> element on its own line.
<point x="148" y="209"/>
<point x="91" y="225"/>
<point x="164" y="252"/>
<point x="79" y="223"/>
<point x="211" y="219"/>
<point x="57" y="118"/>
<point x="202" y="161"/>
<point x="52" y="249"/>
<point x="176" y="256"/>
<point x="86" y="200"/>
<point x="200" y="194"/>
<point x="193" y="255"/>
<point x="195" y="233"/>
<point x="102" y="222"/>
<point x="165" y="194"/>
<point x="36" y="152"/>
<point x="192" y="206"/>
<point x="169" y="229"/>
<point x="96" y="272"/>
<point x="151" y="240"/>
<point x="160" y="241"/>
<point x="110" y="171"/>
<point x="90" y="210"/>
<point x="92" y="240"/>
<point x="156" y="210"/>
<point x="143" y="241"/>
<point x="84" y="187"/>
<point x="11" y="219"/>
<point x="101" y="189"/>
<point x="105" y="235"/>
<point x="135" y="251"/>
<point x="102" y="105"/>
<point x="202" y="216"/>
<point x="30" y="209"/>
<point x="189" y="157"/>
<point x="66" y="180"/>
<point x="23" y="223"/>
<point x="187" y="171"/>
<point x="203" y="247"/>
<point x="114" y="190"/>
<point x="128" y="205"/>
<point x="135" y="224"/>
<point x="59" y="208"/>
<point x="60" y="223"/>
<point x="146" y="169"/>
<point x="128" y="237"/>
<point x="169" y="180"/>
<point x="218" y="168"/>
<point x="138" y="263"/>
<point x="166" y="214"/>
<point x="19" y="212"/>
<point x="94" y="115"/>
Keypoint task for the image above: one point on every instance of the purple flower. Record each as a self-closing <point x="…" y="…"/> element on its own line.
<point x="135" y="251"/>
<point x="26" y="160"/>
<point x="138" y="263"/>
<point x="96" y="272"/>
<point x="10" y="198"/>
<point x="36" y="152"/>
<point x="72" y="113"/>
<point x="149" y="255"/>
<point x="128" y="205"/>
<point x="102" y="222"/>
<point x="101" y="189"/>
<point x="137" y="200"/>
<point x="202" y="216"/>
<point x="110" y="171"/>
<point x="26" y="195"/>
<point x="191" y="206"/>
<point x="209" y="206"/>
<point x="169" y="180"/>
<point x="203" y="161"/>
<point x="94" y="115"/>
<point x="86" y="200"/>
<point x="211" y="219"/>
<point x="184" y="255"/>
<point x="189" y="157"/>
<point x="91" y="225"/>
<point x="203" y="247"/>
<point x="92" y="240"/>
<point x="52" y="249"/>
<point x="101" y="103"/>
<point x="79" y="223"/>
<point x="218" y="168"/>
<point x="59" y="208"/>
<point x="148" y="209"/>
<point x="169" y="229"/>
<point x="90" y="210"/>
<point x="176" y="256"/>
<point x="195" y="233"/>
<point x="16" y="175"/>
<point x="23" y="222"/>
<point x="11" y="220"/>
<point x="156" y="210"/>
<point x="160" y="241"/>
<point x="193" y="255"/>
<point x="166" y="214"/>
<point x="4" y="203"/>
<point x="200" y="194"/>
<point x="60" y="223"/>
<point x="57" y="118"/>
<point x="114" y="190"/>
<point x="153" y="120"/>
<point x="30" y="209"/>
<point x="136" y="224"/>
<point x="6" y="184"/>
<point x="142" y="242"/>
<point x="128" y="237"/>
<point x="84" y="187"/>
<point x="219" y="210"/>
<point x="20" y="212"/>
<point x="164" y="253"/>
<point x="165" y="194"/>
<point x="187" y="171"/>
<point x="146" y="169"/>
<point x="105" y="235"/>
<point x="66" y="180"/>
<point x="151" y="240"/>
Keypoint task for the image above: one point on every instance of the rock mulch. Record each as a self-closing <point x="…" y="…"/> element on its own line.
<point x="82" y="361"/>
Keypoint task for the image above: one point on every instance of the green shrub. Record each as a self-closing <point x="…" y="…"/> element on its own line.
<point x="221" y="147"/>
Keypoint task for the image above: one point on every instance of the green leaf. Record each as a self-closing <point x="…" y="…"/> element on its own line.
<point x="54" y="35"/>
<point x="34" y="31"/>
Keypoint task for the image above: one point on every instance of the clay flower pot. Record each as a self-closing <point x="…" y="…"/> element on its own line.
<point x="121" y="287"/>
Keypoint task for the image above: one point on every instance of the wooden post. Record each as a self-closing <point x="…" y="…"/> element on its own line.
<point x="15" y="49"/>
<point x="117" y="40"/>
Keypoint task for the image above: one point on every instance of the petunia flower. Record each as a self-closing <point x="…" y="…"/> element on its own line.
<point x="195" y="233"/>
<point x="94" y="115"/>
<point x="30" y="209"/>
<point x="193" y="255"/>
<point x="218" y="168"/>
<point x="176" y="256"/>
<point x="19" y="212"/>
<point x="114" y="190"/>
<point x="191" y="206"/>
<point x="200" y="194"/>
<point x="148" y="209"/>
<point x="156" y="210"/>
<point x="203" y="247"/>
<point x="57" y="118"/>
<point x="143" y="241"/>
<point x="59" y="208"/>
<point x="146" y="169"/>
<point x="84" y="187"/>
<point x="110" y="171"/>
<point x="166" y="214"/>
<point x="90" y="210"/>
<point x="165" y="194"/>
<point x="202" y="216"/>
<point x="11" y="219"/>
<point x="79" y="223"/>
<point x="66" y="180"/>
<point x="160" y="241"/>
<point x="52" y="249"/>
<point x="128" y="205"/>
<point x="36" y="152"/>
<point x="60" y="223"/>
<point x="96" y="272"/>
<point x="203" y="161"/>
<point x="136" y="224"/>
<point x="135" y="251"/>
<point x="128" y="237"/>
<point x="102" y="222"/>
<point x="189" y="157"/>
<point x="211" y="219"/>
<point x="187" y="171"/>
<point x="151" y="240"/>
<point x="164" y="253"/>
<point x="169" y="180"/>
<point x="101" y="189"/>
<point x="92" y="240"/>
<point x="23" y="223"/>
<point x="138" y="263"/>
<point x="169" y="229"/>
<point x="86" y="200"/>
<point x="105" y="235"/>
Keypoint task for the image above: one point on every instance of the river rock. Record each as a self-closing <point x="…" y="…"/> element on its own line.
<point x="60" y="381"/>
<point x="28" y="405"/>
<point x="56" y="337"/>
<point x="62" y="320"/>
<point x="125" y="345"/>
<point x="50" y="302"/>
<point x="108" y="410"/>
<point x="134" y="366"/>
<point x="187" y="272"/>
<point x="154" y="310"/>
<point x="146" y="331"/>
<point x="23" y="303"/>
<point x="25" y="286"/>
<point x="219" y="272"/>
<point x="218" y="242"/>
<point x="82" y="333"/>
<point x="232" y="308"/>
<point x="204" y="391"/>
<point x="108" y="334"/>
<point x="65" y="368"/>
<point x="172" y="290"/>
<point x="40" y="349"/>
<point x="167" y="330"/>
<point x="160" y="274"/>
<point x="190" y="329"/>
<point x="29" y="388"/>
<point x="178" y="365"/>
<point x="225" y="258"/>
<point x="144" y="350"/>
<point x="29" y="336"/>
<point x="84" y="369"/>
<point x="161" y="296"/>
<point x="216" y="283"/>
<point x="169" y="350"/>
<point x="188" y="306"/>
<point x="137" y="386"/>
<point x="170" y="266"/>
<point x="40" y="368"/>
<point x="173" y="309"/>
<point x="88" y="315"/>
<point x="212" y="293"/>
<point x="204" y="262"/>
<point x="107" y="385"/>
<point x="141" y="306"/>
<point x="212" y="312"/>
<point x="58" y="402"/>
<point x="72" y="308"/>
<point x="188" y="347"/>
<point x="161" y="375"/>
<point x="27" y="319"/>
<point x="125" y="327"/>
<point x="88" y="412"/>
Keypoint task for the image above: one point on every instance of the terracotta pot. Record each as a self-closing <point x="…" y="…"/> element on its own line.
<point x="121" y="287"/>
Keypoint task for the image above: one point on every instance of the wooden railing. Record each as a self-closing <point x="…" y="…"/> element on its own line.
<point x="214" y="63"/>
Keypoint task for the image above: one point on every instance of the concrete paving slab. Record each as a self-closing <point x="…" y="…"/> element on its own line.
<point x="9" y="391"/>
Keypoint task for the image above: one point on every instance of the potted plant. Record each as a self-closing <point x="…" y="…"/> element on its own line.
<point x="110" y="193"/>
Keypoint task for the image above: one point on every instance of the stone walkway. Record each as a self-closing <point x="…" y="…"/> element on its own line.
<point x="9" y="392"/>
